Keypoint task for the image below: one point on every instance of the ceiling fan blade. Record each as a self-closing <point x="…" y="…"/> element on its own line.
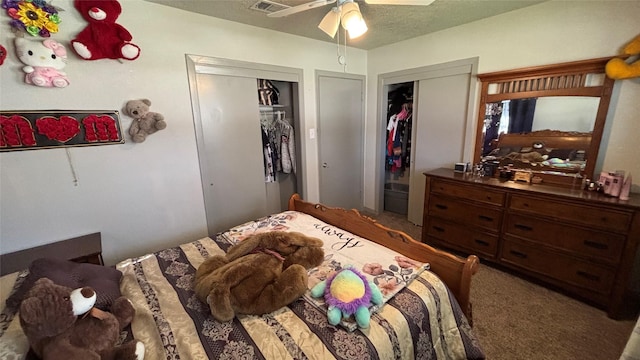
<point x="399" y="2"/>
<point x="300" y="8"/>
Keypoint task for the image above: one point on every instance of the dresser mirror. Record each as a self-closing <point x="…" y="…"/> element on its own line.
<point x="546" y="119"/>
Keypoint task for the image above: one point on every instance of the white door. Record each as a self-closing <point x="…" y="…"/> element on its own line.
<point x="233" y="169"/>
<point x="340" y="134"/>
<point x="440" y="123"/>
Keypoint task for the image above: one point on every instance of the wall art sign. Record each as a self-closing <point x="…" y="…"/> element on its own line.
<point x="28" y="130"/>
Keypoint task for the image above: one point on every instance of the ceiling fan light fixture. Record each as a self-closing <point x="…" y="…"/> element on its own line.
<point x="330" y="22"/>
<point x="357" y="29"/>
<point x="351" y="15"/>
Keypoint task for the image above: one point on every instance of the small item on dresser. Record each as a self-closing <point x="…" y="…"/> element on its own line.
<point x="626" y="188"/>
<point x="536" y="180"/>
<point x="593" y="186"/>
<point x="522" y="176"/>
<point x="460" y="167"/>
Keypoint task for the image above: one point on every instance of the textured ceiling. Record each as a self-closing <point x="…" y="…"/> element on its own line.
<point x="387" y="23"/>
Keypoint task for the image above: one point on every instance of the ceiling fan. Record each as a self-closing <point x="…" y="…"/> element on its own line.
<point x="345" y="12"/>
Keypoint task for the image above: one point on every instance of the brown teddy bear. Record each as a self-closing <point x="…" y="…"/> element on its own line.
<point x="261" y="274"/>
<point x="50" y="316"/>
<point x="144" y="122"/>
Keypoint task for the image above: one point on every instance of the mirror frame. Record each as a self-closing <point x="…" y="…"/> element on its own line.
<point x="564" y="79"/>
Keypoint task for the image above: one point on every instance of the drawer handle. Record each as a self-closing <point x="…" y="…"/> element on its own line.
<point x="523" y="227"/>
<point x="482" y="242"/>
<point x="518" y="254"/>
<point x="586" y="275"/>
<point x="485" y="218"/>
<point x="438" y="228"/>
<point x="443" y="207"/>
<point x="595" y="244"/>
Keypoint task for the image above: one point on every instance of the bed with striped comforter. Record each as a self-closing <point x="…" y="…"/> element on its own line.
<point x="419" y="320"/>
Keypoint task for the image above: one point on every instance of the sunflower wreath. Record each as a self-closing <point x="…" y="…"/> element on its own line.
<point x="35" y="17"/>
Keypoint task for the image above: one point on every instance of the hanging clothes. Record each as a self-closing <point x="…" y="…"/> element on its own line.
<point x="279" y="146"/>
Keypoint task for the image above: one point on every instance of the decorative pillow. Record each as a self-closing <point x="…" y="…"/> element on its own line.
<point x="104" y="280"/>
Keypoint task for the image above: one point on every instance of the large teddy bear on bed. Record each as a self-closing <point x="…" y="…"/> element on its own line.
<point x="103" y="38"/>
<point x="61" y="323"/>
<point x="261" y="274"/>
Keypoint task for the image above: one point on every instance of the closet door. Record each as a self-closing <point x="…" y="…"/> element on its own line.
<point x="340" y="134"/>
<point x="233" y="171"/>
<point x="440" y="122"/>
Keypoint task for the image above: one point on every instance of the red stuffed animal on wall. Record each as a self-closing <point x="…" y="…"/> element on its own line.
<point x="103" y="38"/>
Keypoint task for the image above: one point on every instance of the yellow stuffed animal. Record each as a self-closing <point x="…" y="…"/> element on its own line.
<point x="619" y="69"/>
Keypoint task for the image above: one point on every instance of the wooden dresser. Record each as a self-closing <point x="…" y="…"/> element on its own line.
<point x="579" y="241"/>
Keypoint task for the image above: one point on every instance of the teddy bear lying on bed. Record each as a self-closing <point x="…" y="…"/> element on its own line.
<point x="260" y="274"/>
<point x="61" y="323"/>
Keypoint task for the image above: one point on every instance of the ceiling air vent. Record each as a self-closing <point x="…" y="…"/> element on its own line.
<point x="268" y="6"/>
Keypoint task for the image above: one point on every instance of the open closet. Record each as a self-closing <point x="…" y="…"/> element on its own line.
<point x="429" y="112"/>
<point x="247" y="124"/>
<point x="398" y="147"/>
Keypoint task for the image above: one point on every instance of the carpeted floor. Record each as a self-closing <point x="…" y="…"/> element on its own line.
<point x="515" y="319"/>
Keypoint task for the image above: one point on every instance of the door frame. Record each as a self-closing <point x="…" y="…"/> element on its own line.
<point x="363" y="91"/>
<point x="197" y="64"/>
<point x="462" y="66"/>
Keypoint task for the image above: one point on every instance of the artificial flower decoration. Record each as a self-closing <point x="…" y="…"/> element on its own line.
<point x="35" y="17"/>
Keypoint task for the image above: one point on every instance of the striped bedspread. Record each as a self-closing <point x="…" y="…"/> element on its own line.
<point x="421" y="321"/>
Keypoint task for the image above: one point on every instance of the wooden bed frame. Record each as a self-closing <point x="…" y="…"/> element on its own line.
<point x="456" y="272"/>
<point x="550" y="138"/>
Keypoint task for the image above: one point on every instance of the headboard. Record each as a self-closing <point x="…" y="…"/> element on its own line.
<point x="83" y="249"/>
<point x="549" y="138"/>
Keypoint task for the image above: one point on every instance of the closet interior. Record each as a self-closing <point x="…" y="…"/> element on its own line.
<point x="398" y="147"/>
<point x="280" y="145"/>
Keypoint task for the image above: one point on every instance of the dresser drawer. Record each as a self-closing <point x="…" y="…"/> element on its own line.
<point x="483" y="216"/>
<point x="566" y="269"/>
<point x="462" y="237"/>
<point x="580" y="214"/>
<point x="468" y="192"/>
<point x="602" y="245"/>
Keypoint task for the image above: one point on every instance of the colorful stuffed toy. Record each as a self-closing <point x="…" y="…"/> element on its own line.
<point x="103" y="37"/>
<point x="144" y="122"/>
<point x="44" y="62"/>
<point x="619" y="69"/>
<point x="348" y="292"/>
<point x="61" y="323"/>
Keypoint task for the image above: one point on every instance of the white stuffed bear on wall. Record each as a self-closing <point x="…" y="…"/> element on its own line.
<point x="44" y="62"/>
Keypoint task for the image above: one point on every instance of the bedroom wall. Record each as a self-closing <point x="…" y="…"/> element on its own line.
<point x="147" y="196"/>
<point x="550" y="32"/>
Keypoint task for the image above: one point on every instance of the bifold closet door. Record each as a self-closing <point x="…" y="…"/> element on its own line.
<point x="439" y="132"/>
<point x="233" y="171"/>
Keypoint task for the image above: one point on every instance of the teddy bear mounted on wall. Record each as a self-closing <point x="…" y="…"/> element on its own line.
<point x="145" y="122"/>
<point x="44" y="61"/>
<point x="103" y="38"/>
<point x="61" y="323"/>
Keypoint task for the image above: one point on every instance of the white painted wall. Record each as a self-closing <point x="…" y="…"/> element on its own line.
<point x="147" y="196"/>
<point x="547" y="33"/>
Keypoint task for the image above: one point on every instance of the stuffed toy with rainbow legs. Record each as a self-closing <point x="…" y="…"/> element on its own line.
<point x="348" y="292"/>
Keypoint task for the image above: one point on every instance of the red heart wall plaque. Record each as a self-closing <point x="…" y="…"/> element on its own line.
<point x="61" y="130"/>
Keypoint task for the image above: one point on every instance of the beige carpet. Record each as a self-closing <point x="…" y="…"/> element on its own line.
<point x="515" y="319"/>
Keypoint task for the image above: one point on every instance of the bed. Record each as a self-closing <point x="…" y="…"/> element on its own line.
<point x="549" y="151"/>
<point x="427" y="314"/>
